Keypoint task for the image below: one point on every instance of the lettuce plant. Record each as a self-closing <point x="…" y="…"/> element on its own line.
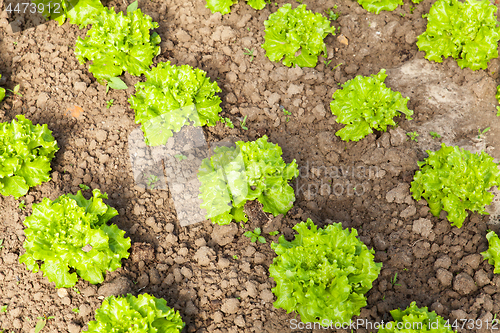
<point x="323" y="274"/>
<point x="224" y="6"/>
<point x="81" y="12"/>
<point x="366" y="104"/>
<point x="415" y="320"/>
<point x="171" y="97"/>
<point x="249" y="171"/>
<point x="454" y="180"/>
<point x="297" y="35"/>
<point x="493" y="252"/>
<point x="71" y="233"/>
<point x="141" y="314"/>
<point x="25" y="154"/>
<point x="467" y="31"/>
<point x="118" y="43"/>
<point x="376" y="6"/>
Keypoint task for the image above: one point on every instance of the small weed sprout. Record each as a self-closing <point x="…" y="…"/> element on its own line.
<point x="413" y="136"/>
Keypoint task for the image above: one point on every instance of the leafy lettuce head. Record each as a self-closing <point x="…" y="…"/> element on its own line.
<point x="25" y="154"/>
<point x="71" y="233"/>
<point x="141" y="314"/>
<point x="415" y="320"/>
<point x="366" y="104"/>
<point x="224" y="6"/>
<point x="249" y="171"/>
<point x="467" y="31"/>
<point x="454" y="180"/>
<point x="296" y="34"/>
<point x="323" y="273"/>
<point x="172" y="97"/>
<point x="118" y="43"/>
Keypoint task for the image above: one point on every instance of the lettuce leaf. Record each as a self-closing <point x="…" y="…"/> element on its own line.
<point x="493" y="252"/>
<point x="172" y="97"/>
<point x="71" y="237"/>
<point x="25" y="154"/>
<point x="375" y="6"/>
<point x="297" y="35"/>
<point x="224" y="6"/>
<point x="454" y="180"/>
<point x="415" y="320"/>
<point x="81" y="12"/>
<point x="141" y="314"/>
<point x="118" y="43"/>
<point x="467" y="31"/>
<point x="249" y="171"/>
<point x="366" y="104"/>
<point x="2" y="92"/>
<point x="323" y="273"/>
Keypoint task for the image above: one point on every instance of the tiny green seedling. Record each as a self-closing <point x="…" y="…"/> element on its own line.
<point x="250" y="53"/>
<point x="274" y="233"/>
<point x="248" y="28"/>
<point x="243" y="123"/>
<point x="75" y="310"/>
<point x="328" y="62"/>
<point x="286" y="112"/>
<point x="412" y="9"/>
<point x="115" y="83"/>
<point x="151" y="181"/>
<point x="435" y="135"/>
<point x="479" y="133"/>
<point x="255" y="236"/>
<point x="84" y="187"/>
<point x="228" y="122"/>
<point x="3" y="308"/>
<point x="22" y="205"/>
<point x="334" y="68"/>
<point x="1" y="242"/>
<point x="16" y="90"/>
<point x="180" y="157"/>
<point x="235" y="257"/>
<point x="109" y="103"/>
<point x="75" y="289"/>
<point x="394" y="280"/>
<point x="402" y="14"/>
<point x="42" y="321"/>
<point x="413" y="136"/>
<point x="332" y="16"/>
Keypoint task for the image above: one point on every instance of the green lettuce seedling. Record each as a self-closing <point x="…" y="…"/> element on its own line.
<point x="493" y="252"/>
<point x="297" y="35"/>
<point x="141" y="314"/>
<point x="25" y="154"/>
<point x="454" y="180"/>
<point x="172" y="97"/>
<point x="467" y="31"/>
<point x="366" y="104"/>
<point x="224" y="6"/>
<point x="80" y="12"/>
<point x="415" y="320"/>
<point x="71" y="237"/>
<point x="118" y="43"/>
<point x="250" y="171"/>
<point x="323" y="274"/>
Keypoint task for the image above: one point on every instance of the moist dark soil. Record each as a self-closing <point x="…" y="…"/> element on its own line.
<point x="214" y="275"/>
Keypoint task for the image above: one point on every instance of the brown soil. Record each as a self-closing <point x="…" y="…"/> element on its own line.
<point x="213" y="275"/>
